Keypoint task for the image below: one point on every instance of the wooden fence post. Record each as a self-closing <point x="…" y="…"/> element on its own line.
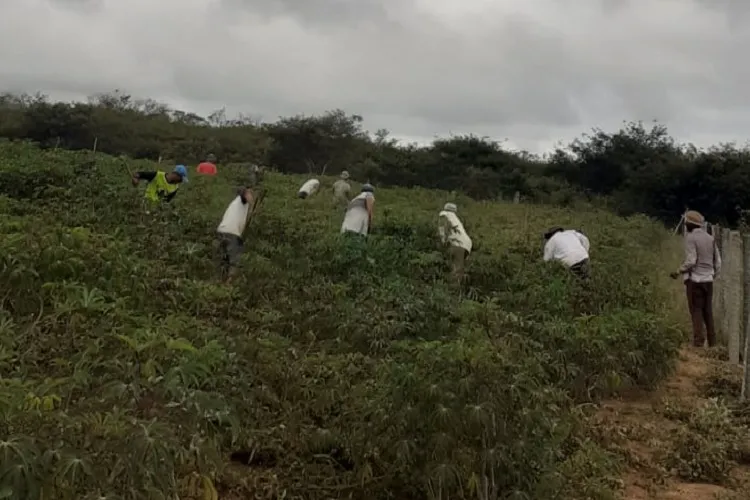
<point x="746" y="303"/>
<point x="726" y="258"/>
<point x="718" y="284"/>
<point x="734" y="310"/>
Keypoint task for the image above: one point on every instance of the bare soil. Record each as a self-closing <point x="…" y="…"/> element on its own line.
<point x="641" y="432"/>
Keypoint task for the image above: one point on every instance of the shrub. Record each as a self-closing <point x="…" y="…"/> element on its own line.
<point x="707" y="446"/>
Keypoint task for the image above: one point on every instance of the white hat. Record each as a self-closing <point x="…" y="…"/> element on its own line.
<point x="450" y="207"/>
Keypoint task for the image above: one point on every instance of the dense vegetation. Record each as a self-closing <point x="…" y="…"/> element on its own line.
<point x="637" y="169"/>
<point x="332" y="367"/>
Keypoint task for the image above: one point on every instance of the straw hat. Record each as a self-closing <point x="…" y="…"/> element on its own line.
<point x="693" y="217"/>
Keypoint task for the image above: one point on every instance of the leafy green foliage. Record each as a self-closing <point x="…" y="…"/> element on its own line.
<point x="637" y="169"/>
<point x="706" y="448"/>
<point x="332" y="367"/>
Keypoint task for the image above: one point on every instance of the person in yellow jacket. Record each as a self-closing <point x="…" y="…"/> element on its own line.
<point x="162" y="186"/>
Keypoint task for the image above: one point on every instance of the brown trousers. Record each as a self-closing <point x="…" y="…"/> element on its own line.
<point x="458" y="262"/>
<point x="700" y="304"/>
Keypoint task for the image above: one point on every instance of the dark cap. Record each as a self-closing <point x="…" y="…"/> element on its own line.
<point x="552" y="231"/>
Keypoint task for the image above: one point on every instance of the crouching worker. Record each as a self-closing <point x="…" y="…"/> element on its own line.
<point x="162" y="186"/>
<point x="570" y="248"/>
<point x="453" y="236"/>
<point x="308" y="189"/>
<point x="230" y="233"/>
<point x="358" y="218"/>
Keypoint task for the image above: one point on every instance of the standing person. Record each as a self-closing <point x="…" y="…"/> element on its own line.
<point x="341" y="191"/>
<point x="256" y="175"/>
<point x="309" y="188"/>
<point x="162" y="186"/>
<point x="358" y="218"/>
<point x="570" y="248"/>
<point x="700" y="268"/>
<point x="207" y="167"/>
<point x="453" y="235"/>
<point x="230" y="232"/>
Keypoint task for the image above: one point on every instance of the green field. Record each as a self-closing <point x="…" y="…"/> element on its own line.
<point x="330" y="368"/>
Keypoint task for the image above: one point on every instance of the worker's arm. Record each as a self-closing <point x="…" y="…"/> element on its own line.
<point x="144" y="176"/>
<point x="170" y="196"/>
<point x="246" y="196"/>
<point x="549" y="251"/>
<point x="583" y="239"/>
<point x="444" y="229"/>
<point x="691" y="256"/>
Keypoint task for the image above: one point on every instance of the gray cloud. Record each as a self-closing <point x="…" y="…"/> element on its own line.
<point x="532" y="72"/>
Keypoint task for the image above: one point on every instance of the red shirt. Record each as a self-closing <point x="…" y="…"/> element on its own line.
<point x="206" y="168"/>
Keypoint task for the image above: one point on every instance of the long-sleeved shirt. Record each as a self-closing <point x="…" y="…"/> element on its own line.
<point x="569" y="247"/>
<point x="702" y="259"/>
<point x="341" y="191"/>
<point x="149" y="177"/>
<point x="452" y="231"/>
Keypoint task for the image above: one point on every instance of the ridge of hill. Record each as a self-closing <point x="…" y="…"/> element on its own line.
<point x="332" y="367"/>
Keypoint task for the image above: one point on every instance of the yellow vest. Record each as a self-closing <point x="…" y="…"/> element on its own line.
<point x="159" y="188"/>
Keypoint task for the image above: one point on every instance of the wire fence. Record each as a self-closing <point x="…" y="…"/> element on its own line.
<point x="732" y="298"/>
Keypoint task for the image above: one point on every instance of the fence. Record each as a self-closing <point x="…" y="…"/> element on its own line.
<point x="732" y="299"/>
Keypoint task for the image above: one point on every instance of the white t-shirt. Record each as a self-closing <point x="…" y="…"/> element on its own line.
<point x="235" y="218"/>
<point x="457" y="235"/>
<point x="569" y="247"/>
<point x="356" y="219"/>
<point x="310" y="187"/>
<point x="341" y="189"/>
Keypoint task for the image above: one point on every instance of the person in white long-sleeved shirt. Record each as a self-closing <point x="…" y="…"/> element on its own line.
<point x="230" y="232"/>
<point x="308" y="189"/>
<point x="570" y="248"/>
<point x="453" y="235"/>
<point x="358" y="217"/>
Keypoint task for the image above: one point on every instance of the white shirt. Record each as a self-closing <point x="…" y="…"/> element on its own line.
<point x="457" y="235"/>
<point x="235" y="218"/>
<point x="310" y="187"/>
<point x="569" y="247"/>
<point x="341" y="189"/>
<point x="356" y="219"/>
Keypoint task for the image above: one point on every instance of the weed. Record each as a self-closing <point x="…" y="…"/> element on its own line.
<point x="706" y="448"/>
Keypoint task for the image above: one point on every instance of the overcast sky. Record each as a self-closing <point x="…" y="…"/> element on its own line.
<point x="531" y="71"/>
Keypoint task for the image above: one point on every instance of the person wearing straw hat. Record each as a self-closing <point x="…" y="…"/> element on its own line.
<point x="700" y="268"/>
<point x="454" y="237"/>
<point x="570" y="248"/>
<point x="341" y="191"/>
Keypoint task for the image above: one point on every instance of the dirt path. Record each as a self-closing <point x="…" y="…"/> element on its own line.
<point x="637" y="424"/>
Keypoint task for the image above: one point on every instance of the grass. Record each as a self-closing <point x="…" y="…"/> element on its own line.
<point x="331" y="368"/>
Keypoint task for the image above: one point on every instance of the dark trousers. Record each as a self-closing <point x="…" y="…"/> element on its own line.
<point x="700" y="304"/>
<point x="581" y="269"/>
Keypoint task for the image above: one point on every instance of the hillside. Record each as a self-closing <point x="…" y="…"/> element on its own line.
<point x="330" y="368"/>
<point x="637" y="169"/>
